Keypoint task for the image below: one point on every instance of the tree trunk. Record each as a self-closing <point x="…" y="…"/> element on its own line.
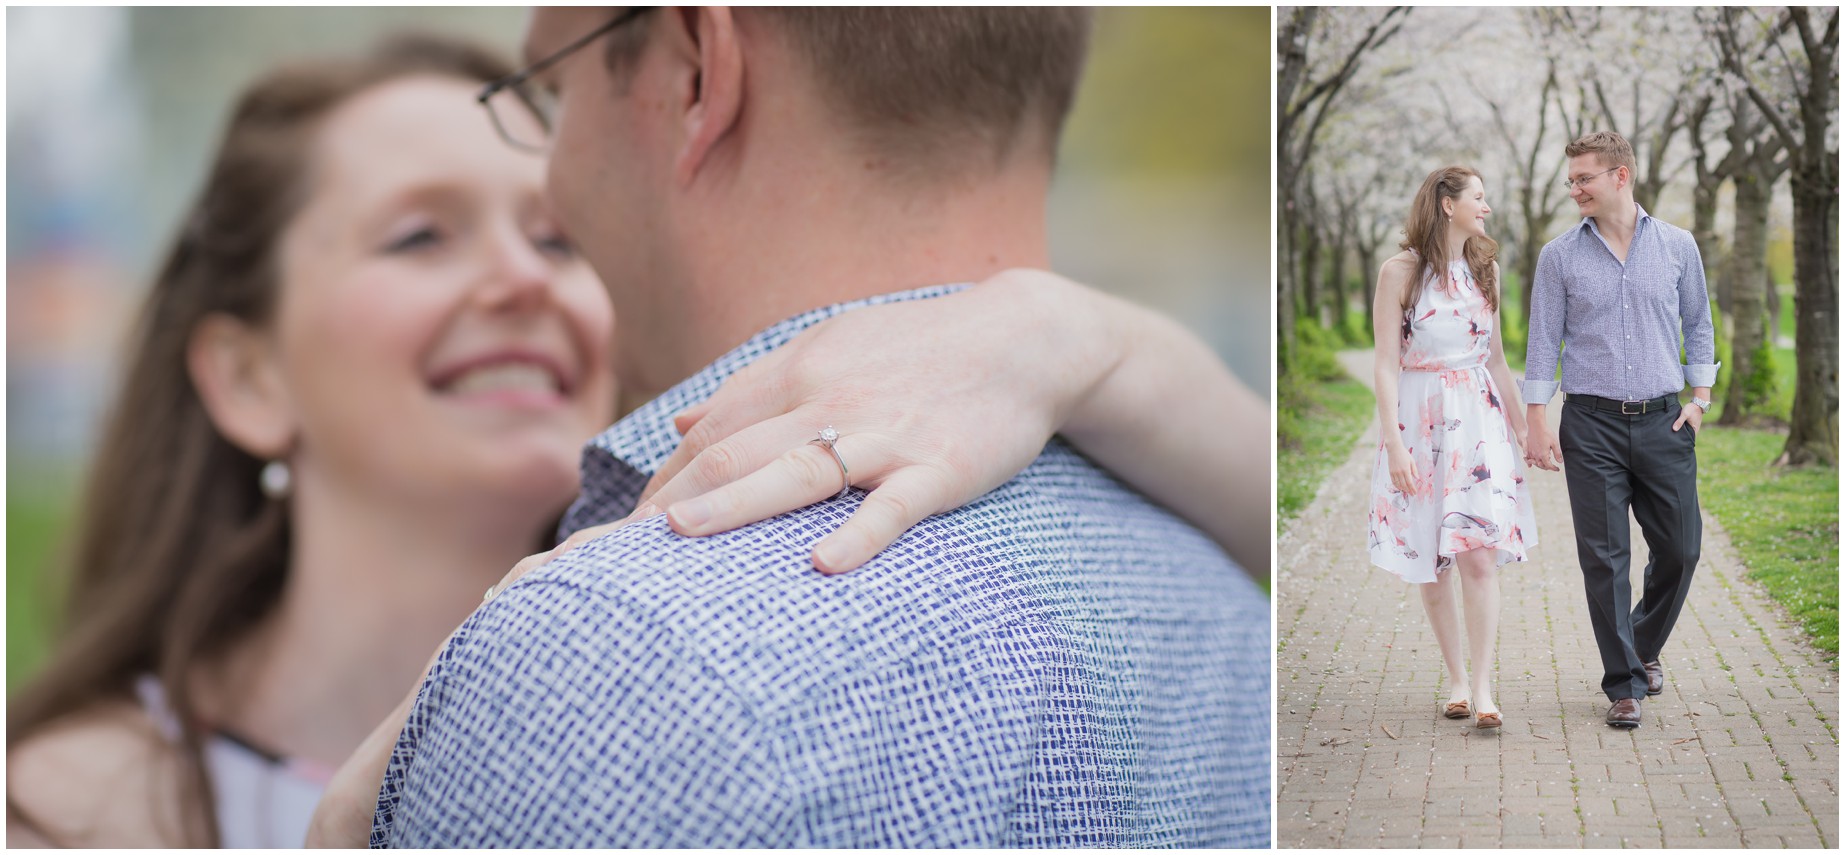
<point x="1291" y="50"/>
<point x="1813" y="436"/>
<point x="1748" y="328"/>
<point x="1310" y="273"/>
<point x="1704" y="231"/>
<point x="1529" y="245"/>
<point x="1335" y="286"/>
<point x="1368" y="263"/>
<point x="1284" y="288"/>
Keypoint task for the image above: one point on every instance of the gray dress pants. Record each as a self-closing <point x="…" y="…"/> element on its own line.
<point x="1613" y="462"/>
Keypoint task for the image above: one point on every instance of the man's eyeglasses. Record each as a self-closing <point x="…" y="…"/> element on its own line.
<point x="508" y="96"/>
<point x="1573" y="183"/>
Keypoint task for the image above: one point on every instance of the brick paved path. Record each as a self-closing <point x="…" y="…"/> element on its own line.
<point x="1741" y="749"/>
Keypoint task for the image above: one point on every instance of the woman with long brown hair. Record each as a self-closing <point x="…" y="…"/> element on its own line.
<point x="359" y="381"/>
<point x="356" y="396"/>
<point x="1448" y="490"/>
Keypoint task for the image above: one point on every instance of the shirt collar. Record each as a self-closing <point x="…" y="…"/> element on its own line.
<point x="618" y="462"/>
<point x="1640" y="216"/>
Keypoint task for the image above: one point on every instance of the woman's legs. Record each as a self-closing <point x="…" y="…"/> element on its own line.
<point x="1439" y="601"/>
<point x="1480" y="594"/>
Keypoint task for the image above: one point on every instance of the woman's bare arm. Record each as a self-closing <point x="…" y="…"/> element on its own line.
<point x="102" y="778"/>
<point x="1387" y="340"/>
<point x="1387" y="357"/>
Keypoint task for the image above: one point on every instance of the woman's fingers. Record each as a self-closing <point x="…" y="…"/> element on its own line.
<point x="802" y="475"/>
<point x="732" y="458"/>
<point x="540" y="559"/>
<point x="753" y="395"/>
<point x="904" y="499"/>
<point x="581" y="536"/>
<point x="1404" y="479"/>
<point x="525" y="565"/>
<point x="689" y="416"/>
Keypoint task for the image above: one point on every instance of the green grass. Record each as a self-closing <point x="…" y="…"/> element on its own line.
<point x="1331" y="415"/>
<point x="1784" y="522"/>
<point x="35" y="532"/>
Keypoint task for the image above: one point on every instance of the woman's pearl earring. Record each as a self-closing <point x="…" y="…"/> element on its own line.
<point x="276" y="479"/>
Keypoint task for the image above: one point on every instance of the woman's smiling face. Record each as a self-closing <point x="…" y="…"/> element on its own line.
<point x="436" y="330"/>
<point x="1469" y="210"/>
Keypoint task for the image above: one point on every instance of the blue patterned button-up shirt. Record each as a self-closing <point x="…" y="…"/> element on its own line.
<point x="1621" y="322"/>
<point x="1060" y="663"/>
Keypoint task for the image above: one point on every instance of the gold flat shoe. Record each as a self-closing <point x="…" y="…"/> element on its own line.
<point x="1487" y="720"/>
<point x="1456" y="709"/>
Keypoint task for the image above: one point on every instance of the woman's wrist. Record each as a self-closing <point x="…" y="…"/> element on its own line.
<point x="1091" y="340"/>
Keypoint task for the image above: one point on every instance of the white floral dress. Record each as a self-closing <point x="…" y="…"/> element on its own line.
<point x="1470" y="490"/>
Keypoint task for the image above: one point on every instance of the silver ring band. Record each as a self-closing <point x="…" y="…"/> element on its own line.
<point x="827" y="438"/>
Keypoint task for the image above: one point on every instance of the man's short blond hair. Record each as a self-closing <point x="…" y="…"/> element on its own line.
<point x="930" y="85"/>
<point x="1611" y="148"/>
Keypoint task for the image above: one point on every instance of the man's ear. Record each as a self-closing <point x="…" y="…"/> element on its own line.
<point x="235" y="370"/>
<point x="716" y="100"/>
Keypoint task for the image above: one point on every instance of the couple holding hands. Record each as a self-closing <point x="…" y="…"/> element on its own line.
<point x="1615" y="292"/>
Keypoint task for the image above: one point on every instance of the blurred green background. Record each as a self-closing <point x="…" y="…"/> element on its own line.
<point x="1162" y="196"/>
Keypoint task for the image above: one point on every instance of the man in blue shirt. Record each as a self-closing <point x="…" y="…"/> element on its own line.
<point x="1619" y="289"/>
<point x="1059" y="663"/>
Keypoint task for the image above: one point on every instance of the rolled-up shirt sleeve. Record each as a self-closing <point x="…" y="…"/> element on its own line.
<point x="1694" y="314"/>
<point x="1544" y="334"/>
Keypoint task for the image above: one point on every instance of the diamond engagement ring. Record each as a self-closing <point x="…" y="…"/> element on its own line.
<point x="828" y="436"/>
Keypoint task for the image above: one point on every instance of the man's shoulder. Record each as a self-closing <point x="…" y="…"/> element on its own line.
<point x="750" y="598"/>
<point x="1569" y="237"/>
<point x="729" y="661"/>
<point x="1675" y="237"/>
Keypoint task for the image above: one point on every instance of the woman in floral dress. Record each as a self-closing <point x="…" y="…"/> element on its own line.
<point x="1449" y="490"/>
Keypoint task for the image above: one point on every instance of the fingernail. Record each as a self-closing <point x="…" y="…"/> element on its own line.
<point x="691" y="513"/>
<point x="647" y="510"/>
<point x="829" y="556"/>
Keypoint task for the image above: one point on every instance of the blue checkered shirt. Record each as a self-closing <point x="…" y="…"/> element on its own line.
<point x="1621" y="321"/>
<point x="1060" y="663"/>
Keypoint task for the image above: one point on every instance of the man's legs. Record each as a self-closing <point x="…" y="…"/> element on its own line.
<point x="1596" y="446"/>
<point x="1665" y="484"/>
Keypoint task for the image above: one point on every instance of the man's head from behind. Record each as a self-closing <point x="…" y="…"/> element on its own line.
<point x="1601" y="173"/>
<point x="692" y="138"/>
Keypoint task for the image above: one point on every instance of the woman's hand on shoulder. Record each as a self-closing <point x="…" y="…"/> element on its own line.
<point x="935" y="402"/>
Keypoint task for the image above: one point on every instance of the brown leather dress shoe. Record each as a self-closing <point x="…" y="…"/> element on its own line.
<point x="1655" y="677"/>
<point x="1625" y="713"/>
